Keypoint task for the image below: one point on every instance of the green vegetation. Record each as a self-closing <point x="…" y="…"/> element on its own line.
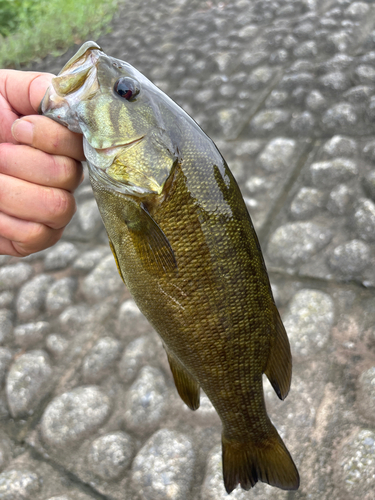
<point x="30" y="29"/>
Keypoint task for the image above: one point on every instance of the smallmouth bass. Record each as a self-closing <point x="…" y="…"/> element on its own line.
<point x="186" y="248"/>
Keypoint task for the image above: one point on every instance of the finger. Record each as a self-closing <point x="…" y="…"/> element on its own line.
<point x="40" y="168"/>
<point x="24" y="89"/>
<point x="43" y="133"/>
<point x="24" y="200"/>
<point x="21" y="238"/>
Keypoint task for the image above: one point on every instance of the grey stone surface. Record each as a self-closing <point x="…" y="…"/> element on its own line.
<point x="286" y="89"/>
<point x="18" y="484"/>
<point x="28" y="381"/>
<point x="163" y="468"/>
<point x="32" y="296"/>
<point x="110" y="455"/>
<point x="74" y="415"/>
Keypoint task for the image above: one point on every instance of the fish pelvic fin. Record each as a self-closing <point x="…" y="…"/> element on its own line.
<point x="246" y="463"/>
<point x="187" y="387"/>
<point x="279" y="364"/>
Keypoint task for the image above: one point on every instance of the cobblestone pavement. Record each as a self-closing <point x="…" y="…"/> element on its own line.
<point x="88" y="407"/>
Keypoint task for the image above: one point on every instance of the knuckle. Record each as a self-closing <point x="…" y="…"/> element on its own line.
<point x="61" y="207"/>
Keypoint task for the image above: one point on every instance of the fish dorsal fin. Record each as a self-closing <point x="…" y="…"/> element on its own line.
<point x="150" y="242"/>
<point x="186" y="385"/>
<point x="279" y="365"/>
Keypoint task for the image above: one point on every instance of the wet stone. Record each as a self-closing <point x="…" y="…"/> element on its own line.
<point x="276" y="98"/>
<point x="366" y="400"/>
<point x="6" y="299"/>
<point x="137" y="354"/>
<point x="88" y="260"/>
<point x="259" y="77"/>
<point x="340" y="116"/>
<point x="56" y="344"/>
<point x="6" y="357"/>
<point x="365" y="74"/>
<point x="340" y="199"/>
<point x="297" y="242"/>
<point x="369" y="150"/>
<point x="307" y="202"/>
<point x="29" y="334"/>
<point x="110" y="455"/>
<point x="6" y="325"/>
<point x="269" y="120"/>
<point x="357" y="10"/>
<point x="60" y="256"/>
<point x="340" y="145"/>
<point x="19" y="485"/>
<point x="101" y="359"/>
<point x="146" y="400"/>
<point x="364" y="219"/>
<point x="350" y="258"/>
<point x="308" y="321"/>
<point x="357" y="466"/>
<point x="74" y="317"/>
<point x="277" y="154"/>
<point x="103" y="280"/>
<point x="302" y="123"/>
<point x="315" y="101"/>
<point x="13" y="276"/>
<point x="306" y="49"/>
<point x="32" y="296"/>
<point x="329" y="173"/>
<point x="74" y="415"/>
<point x="335" y="82"/>
<point x="163" y="468"/>
<point x="131" y="321"/>
<point x="28" y="382"/>
<point x="368" y="183"/>
<point x="86" y="222"/>
<point x="61" y="294"/>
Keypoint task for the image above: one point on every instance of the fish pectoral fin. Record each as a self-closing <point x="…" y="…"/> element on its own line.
<point x="187" y="387"/>
<point x="150" y="242"/>
<point x="116" y="259"/>
<point x="279" y="364"/>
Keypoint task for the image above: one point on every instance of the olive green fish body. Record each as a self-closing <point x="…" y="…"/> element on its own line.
<point x="186" y="248"/>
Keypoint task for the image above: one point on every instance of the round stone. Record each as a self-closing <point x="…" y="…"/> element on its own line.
<point x="56" y="344"/>
<point x="277" y="154"/>
<point x="146" y="400"/>
<point x="340" y="199"/>
<point x="369" y="150"/>
<point x="315" y="101"/>
<point x="357" y="10"/>
<point x="350" y="258"/>
<point x="88" y="260"/>
<point x="71" y="417"/>
<point x="340" y="116"/>
<point x="32" y="296"/>
<point x="101" y="359"/>
<point x="365" y="74"/>
<point x="27" y="383"/>
<point x="357" y="465"/>
<point x="329" y="173"/>
<point x="29" y="334"/>
<point x="296" y="242"/>
<point x="103" y="280"/>
<point x="61" y="294"/>
<point x="306" y="49"/>
<point x="6" y="325"/>
<point x="74" y="317"/>
<point x="302" y="123"/>
<point x="6" y="299"/>
<point x="259" y="77"/>
<point x="364" y="219"/>
<point x="307" y="202"/>
<point x="60" y="256"/>
<point x="13" y="276"/>
<point x="270" y="119"/>
<point x="19" y="484"/>
<point x="6" y="357"/>
<point x="110" y="455"/>
<point x="334" y="82"/>
<point x="308" y="321"/>
<point x="163" y="468"/>
<point x="131" y="321"/>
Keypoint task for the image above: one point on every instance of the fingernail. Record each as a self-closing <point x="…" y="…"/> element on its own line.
<point x="22" y="131"/>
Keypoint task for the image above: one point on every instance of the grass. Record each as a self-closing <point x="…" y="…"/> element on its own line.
<point x="31" y="29"/>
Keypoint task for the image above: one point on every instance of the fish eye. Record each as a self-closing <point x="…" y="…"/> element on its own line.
<point x="127" y="88"/>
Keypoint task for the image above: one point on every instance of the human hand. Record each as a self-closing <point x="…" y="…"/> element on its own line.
<point x="39" y="167"/>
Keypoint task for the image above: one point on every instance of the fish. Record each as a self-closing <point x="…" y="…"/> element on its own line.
<point x="186" y="248"/>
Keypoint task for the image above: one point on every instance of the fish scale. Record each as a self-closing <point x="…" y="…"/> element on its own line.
<point x="186" y="248"/>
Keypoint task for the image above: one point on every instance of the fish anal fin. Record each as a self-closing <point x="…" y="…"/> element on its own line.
<point x="116" y="259"/>
<point x="186" y="385"/>
<point x="245" y="463"/>
<point x="279" y="364"/>
<point x="150" y="242"/>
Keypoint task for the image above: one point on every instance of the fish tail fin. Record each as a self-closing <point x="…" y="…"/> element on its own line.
<point x="270" y="462"/>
